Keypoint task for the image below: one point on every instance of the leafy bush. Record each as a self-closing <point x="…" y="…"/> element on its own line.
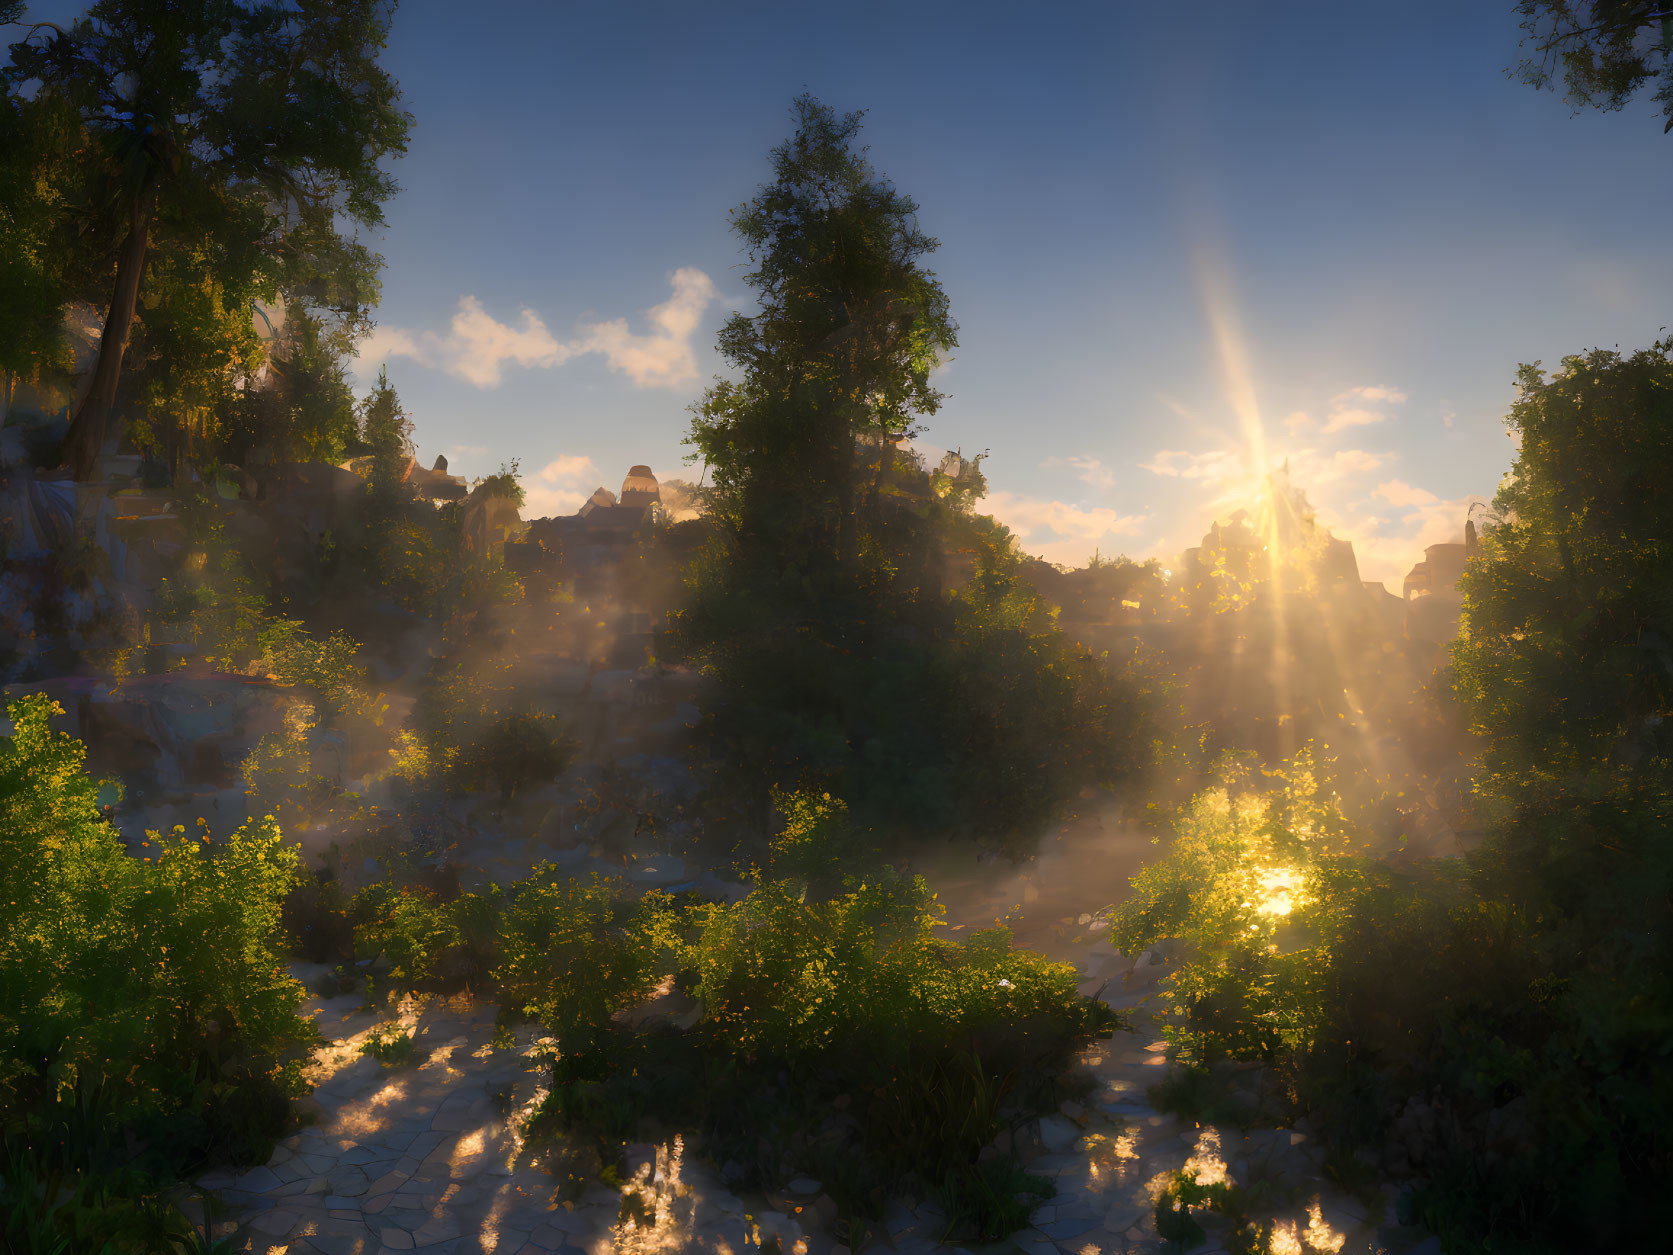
<point x="574" y="954"/>
<point x="121" y="970"/>
<point x="292" y="656"/>
<point x="315" y="918"/>
<point x="472" y="734"/>
<point x="215" y="596"/>
<point x="517" y="751"/>
<point x="425" y="939"/>
<point x="808" y="1006"/>
<point x="1255" y="883"/>
<point x="784" y="976"/>
<point x="815" y="843"/>
<point x="392" y="1045"/>
<point x="144" y="993"/>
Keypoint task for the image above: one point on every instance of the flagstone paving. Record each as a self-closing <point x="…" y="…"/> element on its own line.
<point x="425" y="1158"/>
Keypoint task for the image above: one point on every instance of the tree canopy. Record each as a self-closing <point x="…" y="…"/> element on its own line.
<point x="838" y="357"/>
<point x="1603" y="52"/>
<point x="863" y="630"/>
<point x="233" y="139"/>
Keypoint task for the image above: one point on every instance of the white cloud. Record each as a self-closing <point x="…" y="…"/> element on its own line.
<point x="1058" y="531"/>
<point x="1387" y="550"/>
<point x="1347" y="409"/>
<point x="477" y="347"/>
<point x="1087" y="470"/>
<point x="1298" y="422"/>
<point x="1340" y="420"/>
<point x="385" y="343"/>
<point x="541" y="502"/>
<point x="1397" y="492"/>
<point x="663" y="358"/>
<point x="568" y="470"/>
<point x="1215" y="466"/>
<point x="1373" y="393"/>
<point x="559" y="487"/>
<point x="1316" y="467"/>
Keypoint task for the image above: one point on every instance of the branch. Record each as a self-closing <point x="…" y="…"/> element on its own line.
<point x="35" y="26"/>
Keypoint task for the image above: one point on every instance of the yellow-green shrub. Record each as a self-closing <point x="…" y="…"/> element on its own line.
<point x="138" y="975"/>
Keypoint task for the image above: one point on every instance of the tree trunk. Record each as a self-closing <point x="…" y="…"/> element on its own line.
<point x="87" y="428"/>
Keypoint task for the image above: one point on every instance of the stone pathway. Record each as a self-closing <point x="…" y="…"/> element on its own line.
<point x="426" y="1158"/>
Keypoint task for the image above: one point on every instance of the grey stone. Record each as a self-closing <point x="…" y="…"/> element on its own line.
<point x="341" y="1241"/>
<point x="1124" y="1216"/>
<point x="1058" y="1133"/>
<point x="1071" y="1227"/>
<point x="275" y="1223"/>
<point x="257" y="1180"/>
<point x="348" y="1181"/>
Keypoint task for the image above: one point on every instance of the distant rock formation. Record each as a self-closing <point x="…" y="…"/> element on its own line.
<point x="1433" y="601"/>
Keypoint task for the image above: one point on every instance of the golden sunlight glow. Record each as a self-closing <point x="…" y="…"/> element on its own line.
<point x="664" y="1203"/>
<point x="1110" y="1158"/>
<point x="1221" y="309"/>
<point x="366" y="1119"/>
<point x="1320" y="1236"/>
<point x="337" y="1054"/>
<point x="1206" y="1164"/>
<point x="1285" y="1240"/>
<point x="468" y="1146"/>
<point x="1280" y="892"/>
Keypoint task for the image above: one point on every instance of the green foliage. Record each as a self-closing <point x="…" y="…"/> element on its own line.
<point x="850" y="328"/>
<point x="505" y="484"/>
<point x="391" y="1045"/>
<point x="1039" y="718"/>
<point x="1566" y="657"/>
<point x="1602" y="51"/>
<point x="307" y="413"/>
<point x="574" y="954"/>
<point x="386" y="433"/>
<point x="427" y="560"/>
<point x="293" y="656"/>
<point x="815" y="843"/>
<point x="37" y="177"/>
<point x="820" y="611"/>
<point x="279" y="777"/>
<point x="1498" y="1025"/>
<point x="474" y="734"/>
<point x="130" y="972"/>
<point x="137" y="994"/>
<point x="409" y="927"/>
<point x="781" y="975"/>
<point x="424" y="939"/>
<point x="849" y="1003"/>
<point x="1255" y="883"/>
<point x="214" y="596"/>
<point x="233" y="141"/>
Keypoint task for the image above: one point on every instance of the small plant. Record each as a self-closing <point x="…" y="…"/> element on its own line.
<point x="391" y="1045"/>
<point x="333" y="983"/>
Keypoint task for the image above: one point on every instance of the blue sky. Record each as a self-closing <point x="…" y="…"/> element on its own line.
<point x="1159" y="223"/>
